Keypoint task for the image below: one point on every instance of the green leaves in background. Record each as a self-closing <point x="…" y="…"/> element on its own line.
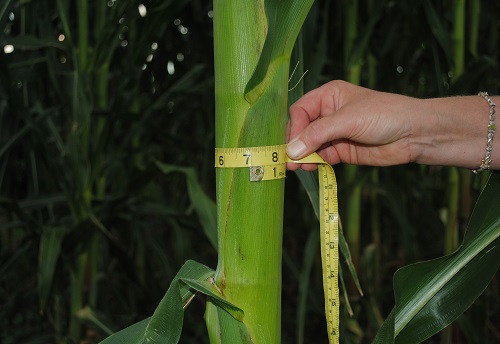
<point x="29" y="42"/>
<point x="78" y="146"/>
<point x="432" y="294"/>
<point x="203" y="205"/>
<point x="5" y="8"/>
<point x="50" y="247"/>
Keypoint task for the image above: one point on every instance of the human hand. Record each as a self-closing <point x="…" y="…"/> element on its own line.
<point x="347" y="123"/>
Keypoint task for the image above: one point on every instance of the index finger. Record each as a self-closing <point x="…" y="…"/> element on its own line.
<point x="314" y="104"/>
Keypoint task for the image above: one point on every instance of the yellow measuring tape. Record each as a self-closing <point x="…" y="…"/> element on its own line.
<point x="269" y="163"/>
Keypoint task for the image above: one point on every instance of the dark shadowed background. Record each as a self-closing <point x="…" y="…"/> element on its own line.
<point x="92" y="93"/>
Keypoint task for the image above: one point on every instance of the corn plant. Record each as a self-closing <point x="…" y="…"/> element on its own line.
<point x="243" y="293"/>
<point x="95" y="218"/>
<point x="253" y="44"/>
<point x="72" y="134"/>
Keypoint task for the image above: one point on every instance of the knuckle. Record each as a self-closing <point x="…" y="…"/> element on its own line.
<point x="314" y="133"/>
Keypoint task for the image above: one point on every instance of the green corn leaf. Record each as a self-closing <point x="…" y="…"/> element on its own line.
<point x="63" y="9"/>
<point x="185" y="84"/>
<point x="311" y="185"/>
<point x="207" y="288"/>
<point x="385" y="334"/>
<point x="432" y="294"/>
<point x="360" y="46"/>
<point x="223" y="328"/>
<point x="133" y="334"/>
<point x="50" y="247"/>
<point x="316" y="51"/>
<point x="204" y="205"/>
<point x="97" y="319"/>
<point x="165" y="326"/>
<point x="453" y="299"/>
<point x="29" y="42"/>
<point x="438" y="29"/>
<point x="285" y="19"/>
<point x="5" y="8"/>
<point x="310" y="253"/>
<point x="346" y="252"/>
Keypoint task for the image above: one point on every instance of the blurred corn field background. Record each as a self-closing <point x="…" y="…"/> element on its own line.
<point x="93" y="94"/>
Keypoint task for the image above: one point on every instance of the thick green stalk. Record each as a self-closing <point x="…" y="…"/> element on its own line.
<point x="249" y="214"/>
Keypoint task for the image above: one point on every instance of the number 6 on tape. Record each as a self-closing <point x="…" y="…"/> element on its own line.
<point x="268" y="163"/>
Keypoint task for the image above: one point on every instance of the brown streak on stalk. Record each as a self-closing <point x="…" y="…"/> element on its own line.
<point x="241" y="253"/>
<point x="244" y="337"/>
<point x="222" y="279"/>
<point x="212" y="282"/>
<point x="223" y="283"/>
<point x="228" y="202"/>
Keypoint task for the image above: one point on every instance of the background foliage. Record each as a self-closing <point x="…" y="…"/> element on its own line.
<point x="92" y="231"/>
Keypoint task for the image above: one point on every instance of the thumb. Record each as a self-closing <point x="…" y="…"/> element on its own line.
<point x="310" y="139"/>
<point x="296" y="149"/>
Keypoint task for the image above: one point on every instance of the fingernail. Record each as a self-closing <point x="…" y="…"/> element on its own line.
<point x="295" y="148"/>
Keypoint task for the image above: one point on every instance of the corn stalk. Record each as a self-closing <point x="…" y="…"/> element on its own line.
<point x="253" y="41"/>
<point x="252" y="44"/>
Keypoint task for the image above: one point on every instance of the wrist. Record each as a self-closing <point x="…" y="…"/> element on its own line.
<point x="451" y="132"/>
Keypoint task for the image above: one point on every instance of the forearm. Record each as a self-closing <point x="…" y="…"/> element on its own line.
<point x="453" y="132"/>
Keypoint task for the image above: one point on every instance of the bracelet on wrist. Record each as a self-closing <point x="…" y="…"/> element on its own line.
<point x="485" y="163"/>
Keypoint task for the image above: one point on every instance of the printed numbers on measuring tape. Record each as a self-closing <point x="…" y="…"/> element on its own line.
<point x="269" y="163"/>
<point x="265" y="163"/>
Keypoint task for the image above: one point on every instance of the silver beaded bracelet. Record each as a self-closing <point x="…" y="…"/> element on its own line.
<point x="485" y="163"/>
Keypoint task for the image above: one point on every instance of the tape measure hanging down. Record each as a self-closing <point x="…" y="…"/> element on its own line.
<point x="269" y="163"/>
